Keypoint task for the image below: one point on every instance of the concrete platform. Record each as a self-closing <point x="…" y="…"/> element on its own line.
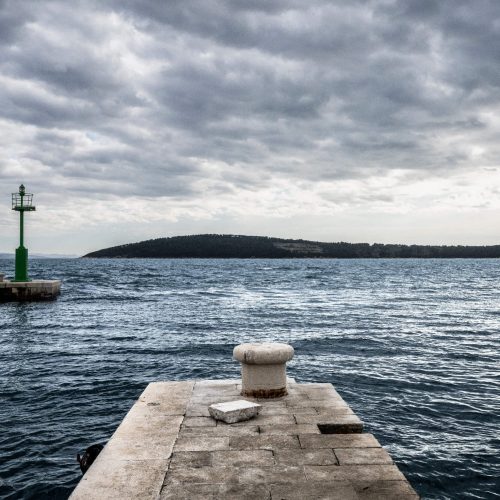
<point x="23" y="291"/>
<point x="168" y="447"/>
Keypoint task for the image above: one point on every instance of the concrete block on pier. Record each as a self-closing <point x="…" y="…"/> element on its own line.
<point x="234" y="411"/>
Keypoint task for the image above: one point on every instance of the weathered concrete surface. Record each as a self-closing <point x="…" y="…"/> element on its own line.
<point x="24" y="291"/>
<point x="169" y="448"/>
<point x="134" y="462"/>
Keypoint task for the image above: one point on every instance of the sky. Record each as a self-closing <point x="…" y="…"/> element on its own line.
<point x="362" y="121"/>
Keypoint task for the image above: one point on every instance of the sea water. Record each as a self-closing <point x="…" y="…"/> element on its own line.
<point x="411" y="345"/>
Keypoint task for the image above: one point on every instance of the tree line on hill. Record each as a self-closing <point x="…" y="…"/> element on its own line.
<point x="238" y="246"/>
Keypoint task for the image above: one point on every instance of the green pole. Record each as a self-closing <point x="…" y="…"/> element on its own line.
<point x="21" y="225"/>
<point x="21" y="252"/>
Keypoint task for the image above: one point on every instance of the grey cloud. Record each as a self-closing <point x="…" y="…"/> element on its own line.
<point x="30" y="107"/>
<point x="149" y="93"/>
<point x="13" y="18"/>
<point x="196" y="96"/>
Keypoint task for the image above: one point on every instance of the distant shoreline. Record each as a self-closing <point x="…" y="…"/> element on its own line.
<point x="285" y="258"/>
<point x="214" y="246"/>
<point x="42" y="256"/>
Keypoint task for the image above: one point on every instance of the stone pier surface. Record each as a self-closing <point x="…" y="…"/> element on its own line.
<point x="21" y="291"/>
<point x="306" y="445"/>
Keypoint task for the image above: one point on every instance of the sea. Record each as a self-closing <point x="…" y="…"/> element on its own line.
<point x="411" y="345"/>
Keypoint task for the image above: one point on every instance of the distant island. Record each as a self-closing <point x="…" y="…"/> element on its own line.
<point x="226" y="246"/>
<point x="4" y="255"/>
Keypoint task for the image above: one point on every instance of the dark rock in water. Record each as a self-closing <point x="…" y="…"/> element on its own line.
<point x="88" y="458"/>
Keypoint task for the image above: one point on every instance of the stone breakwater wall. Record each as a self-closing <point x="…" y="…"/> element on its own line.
<point x="11" y="291"/>
<point x="306" y="445"/>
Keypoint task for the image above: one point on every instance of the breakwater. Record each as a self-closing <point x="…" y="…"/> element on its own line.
<point x="168" y="447"/>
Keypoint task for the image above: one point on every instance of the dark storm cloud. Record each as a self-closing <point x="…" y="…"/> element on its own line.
<point x="154" y="97"/>
<point x="12" y="20"/>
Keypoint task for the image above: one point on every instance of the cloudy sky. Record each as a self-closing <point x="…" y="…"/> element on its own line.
<point x="367" y="120"/>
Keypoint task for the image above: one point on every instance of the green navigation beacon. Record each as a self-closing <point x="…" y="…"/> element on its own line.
<point x="22" y="202"/>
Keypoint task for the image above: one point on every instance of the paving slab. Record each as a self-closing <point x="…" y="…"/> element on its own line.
<point x="275" y="419"/>
<point x="324" y="416"/>
<point x="219" y="430"/>
<point x="338" y="441"/>
<point x="168" y="447"/>
<point x="302" y="401"/>
<point x="362" y="456"/>
<point x="209" y="475"/>
<point x="133" y="447"/>
<point x="341" y="425"/>
<point x="264" y="442"/>
<point x="284" y="410"/>
<point x="120" y="479"/>
<point x="189" y="491"/>
<point x="202" y="443"/>
<point x="241" y="458"/>
<point x="305" y="457"/>
<point x="289" y="429"/>
<point x="149" y="426"/>
<point x="341" y="421"/>
<point x="337" y="490"/>
<point x="199" y="422"/>
<point x="203" y="491"/>
<point x="243" y="492"/>
<point x="353" y="473"/>
<point x="271" y="475"/>
<point x="197" y="410"/>
<point x="190" y="459"/>
<point x="384" y="490"/>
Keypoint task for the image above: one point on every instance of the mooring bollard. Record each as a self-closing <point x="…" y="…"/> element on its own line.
<point x="263" y="368"/>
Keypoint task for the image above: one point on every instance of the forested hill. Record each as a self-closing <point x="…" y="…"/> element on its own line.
<point x="233" y="246"/>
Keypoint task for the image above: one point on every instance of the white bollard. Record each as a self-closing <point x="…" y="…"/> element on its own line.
<point x="263" y="368"/>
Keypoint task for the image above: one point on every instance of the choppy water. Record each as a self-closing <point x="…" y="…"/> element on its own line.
<point x="412" y="345"/>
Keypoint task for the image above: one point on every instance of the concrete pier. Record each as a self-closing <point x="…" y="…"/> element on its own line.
<point x="21" y="291"/>
<point x="306" y="445"/>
